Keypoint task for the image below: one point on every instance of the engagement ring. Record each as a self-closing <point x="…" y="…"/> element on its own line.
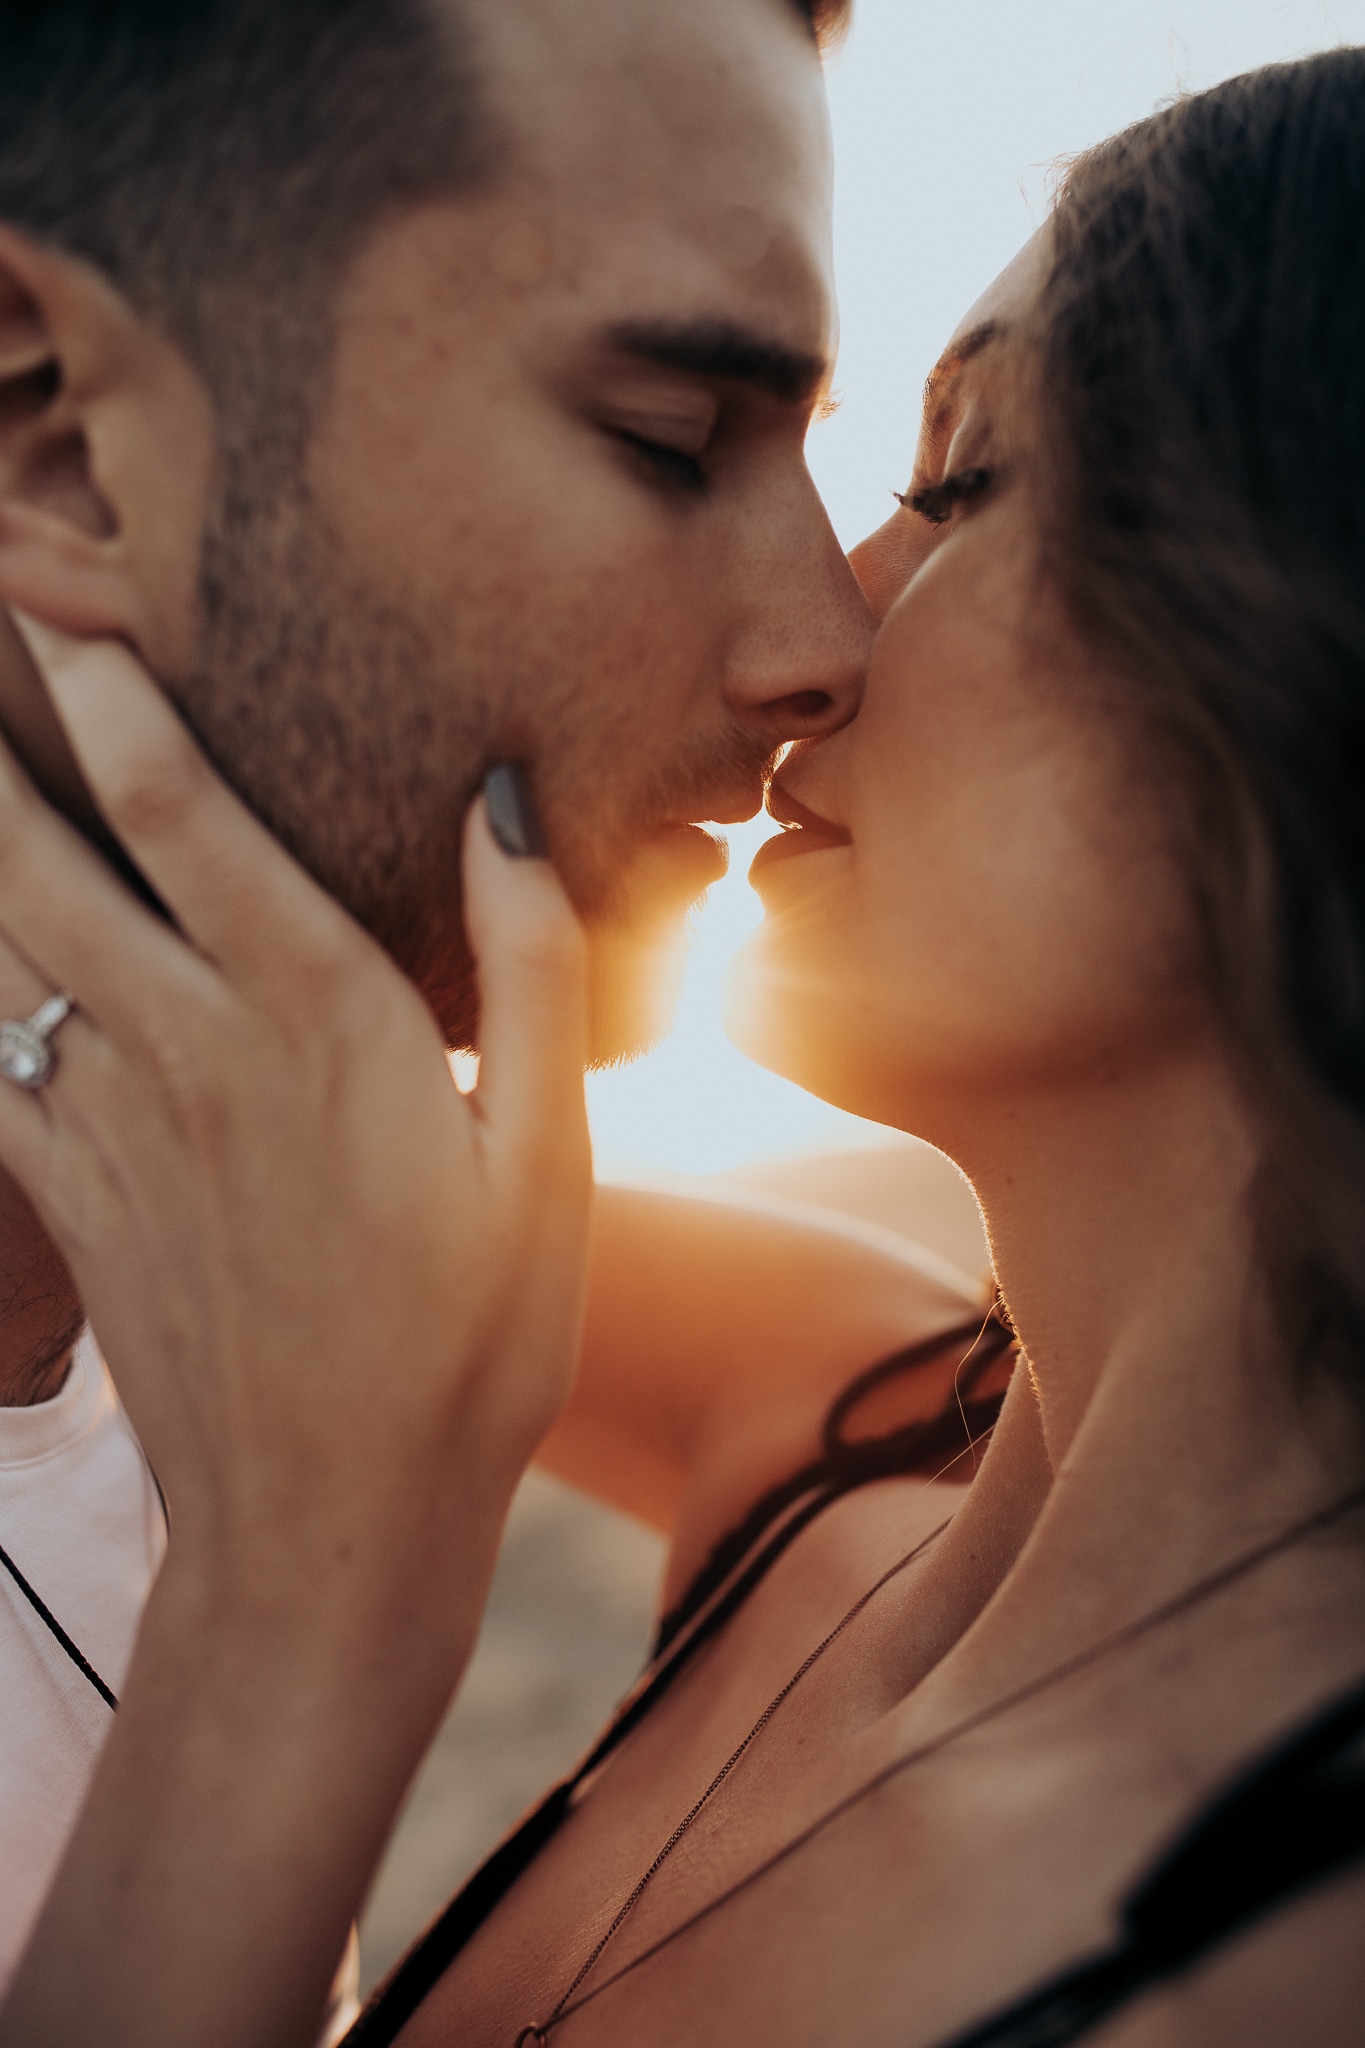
<point x="27" y="1054"/>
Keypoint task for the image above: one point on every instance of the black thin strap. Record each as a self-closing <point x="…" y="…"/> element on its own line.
<point x="847" y="1462"/>
<point x="50" y="1621"/>
<point x="1293" y="1820"/>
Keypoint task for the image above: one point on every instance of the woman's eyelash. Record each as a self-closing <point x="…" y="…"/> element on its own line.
<point x="674" y="465"/>
<point x="935" y="502"/>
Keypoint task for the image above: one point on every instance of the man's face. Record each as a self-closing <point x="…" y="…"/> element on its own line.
<point x="557" y="508"/>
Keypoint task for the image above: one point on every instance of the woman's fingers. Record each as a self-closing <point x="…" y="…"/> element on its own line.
<point x="533" y="1034"/>
<point x="231" y="885"/>
<point x="63" y="908"/>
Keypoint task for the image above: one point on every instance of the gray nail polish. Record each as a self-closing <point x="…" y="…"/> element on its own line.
<point x="512" y="813"/>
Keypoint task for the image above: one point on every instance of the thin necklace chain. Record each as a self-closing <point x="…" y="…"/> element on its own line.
<point x="638" y="1890"/>
<point x="1202" y="1589"/>
<point x="531" y="2034"/>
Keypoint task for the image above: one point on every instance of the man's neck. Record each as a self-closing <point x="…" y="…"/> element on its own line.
<point x="40" y="1312"/>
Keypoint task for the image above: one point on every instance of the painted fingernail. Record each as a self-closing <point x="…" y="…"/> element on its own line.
<point x="512" y="813"/>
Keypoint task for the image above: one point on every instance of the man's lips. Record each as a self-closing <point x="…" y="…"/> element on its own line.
<point x="803" y="831"/>
<point x="680" y="858"/>
<point x="695" y="845"/>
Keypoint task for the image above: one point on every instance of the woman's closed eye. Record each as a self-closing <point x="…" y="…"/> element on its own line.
<point x="937" y="502"/>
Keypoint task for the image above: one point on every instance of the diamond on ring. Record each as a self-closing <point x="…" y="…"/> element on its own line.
<point x="27" y="1055"/>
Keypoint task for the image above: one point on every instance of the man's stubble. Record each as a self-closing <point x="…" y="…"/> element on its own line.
<point x="322" y="706"/>
<point x="360" y="743"/>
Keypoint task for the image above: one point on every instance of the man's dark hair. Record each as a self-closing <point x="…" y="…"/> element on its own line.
<point x="221" y="162"/>
<point x="219" y="159"/>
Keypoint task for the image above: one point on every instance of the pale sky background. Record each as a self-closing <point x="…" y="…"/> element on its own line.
<point x="947" y="119"/>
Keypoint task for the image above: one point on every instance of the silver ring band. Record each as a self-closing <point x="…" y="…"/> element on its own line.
<point x="27" y="1054"/>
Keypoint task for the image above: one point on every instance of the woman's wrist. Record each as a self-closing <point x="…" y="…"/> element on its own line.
<point x="326" y="1583"/>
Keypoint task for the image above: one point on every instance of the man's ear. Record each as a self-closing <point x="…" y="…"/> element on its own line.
<point x="106" y="444"/>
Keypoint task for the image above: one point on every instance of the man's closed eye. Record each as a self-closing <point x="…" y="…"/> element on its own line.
<point x="671" y="465"/>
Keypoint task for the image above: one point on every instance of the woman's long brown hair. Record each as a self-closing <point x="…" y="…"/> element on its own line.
<point x="1201" y="470"/>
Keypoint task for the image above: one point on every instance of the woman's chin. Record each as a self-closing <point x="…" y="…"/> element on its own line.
<point x="795" y="1021"/>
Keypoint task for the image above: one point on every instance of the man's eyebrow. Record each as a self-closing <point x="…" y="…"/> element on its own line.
<point x="723" y="349"/>
<point x="936" y="384"/>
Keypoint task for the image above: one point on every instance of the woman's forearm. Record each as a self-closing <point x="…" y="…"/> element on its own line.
<point x="341" y="1303"/>
<point x="263" y="1745"/>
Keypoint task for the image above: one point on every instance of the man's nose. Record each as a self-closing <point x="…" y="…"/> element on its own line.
<point x="798" y="664"/>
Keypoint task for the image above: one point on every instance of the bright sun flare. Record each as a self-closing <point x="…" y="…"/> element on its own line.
<point x="695" y="1104"/>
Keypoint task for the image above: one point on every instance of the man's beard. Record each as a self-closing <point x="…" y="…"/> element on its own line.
<point x="361" y="745"/>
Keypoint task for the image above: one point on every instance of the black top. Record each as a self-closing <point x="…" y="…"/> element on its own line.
<point x="1294" y="1818"/>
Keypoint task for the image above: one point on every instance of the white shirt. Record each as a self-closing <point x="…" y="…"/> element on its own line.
<point x="81" y="1518"/>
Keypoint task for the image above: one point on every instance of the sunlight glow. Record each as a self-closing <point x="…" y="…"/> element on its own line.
<point x="695" y="1105"/>
<point x="465" y="1068"/>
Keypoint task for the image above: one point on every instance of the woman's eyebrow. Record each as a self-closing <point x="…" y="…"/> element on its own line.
<point x="940" y="380"/>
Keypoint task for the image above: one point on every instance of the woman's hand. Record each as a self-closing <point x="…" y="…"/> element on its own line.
<point x="342" y="1304"/>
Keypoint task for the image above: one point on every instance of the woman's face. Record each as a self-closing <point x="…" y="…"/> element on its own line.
<point x="983" y="901"/>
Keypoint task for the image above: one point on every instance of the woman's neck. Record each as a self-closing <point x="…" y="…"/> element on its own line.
<point x="1121" y="1235"/>
<point x="1156" y="1397"/>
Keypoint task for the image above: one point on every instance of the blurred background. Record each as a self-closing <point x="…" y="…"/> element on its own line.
<point x="950" y="123"/>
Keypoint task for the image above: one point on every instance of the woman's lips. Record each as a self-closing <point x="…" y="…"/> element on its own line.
<point x="804" y="831"/>
<point x="794" y="839"/>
